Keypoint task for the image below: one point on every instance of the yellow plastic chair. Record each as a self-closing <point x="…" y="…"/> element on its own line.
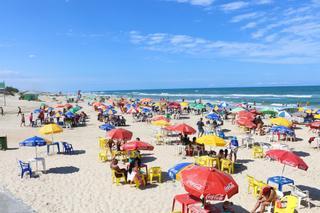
<point x="102" y="142"/>
<point x="116" y="179"/>
<point x="227" y="165"/>
<point x="257" y="152"/>
<point x="251" y="183"/>
<point x="292" y="203"/>
<point x="137" y="183"/>
<point x="211" y="162"/>
<point x="201" y="161"/>
<point x="159" y="139"/>
<point x="155" y="172"/>
<point x="103" y="155"/>
<point x="259" y="185"/>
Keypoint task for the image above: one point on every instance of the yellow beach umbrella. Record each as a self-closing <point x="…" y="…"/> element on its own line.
<point x="281" y="122"/>
<point x="301" y="109"/>
<point x="50" y="129"/>
<point x="211" y="140"/>
<point x="317" y="116"/>
<point x="309" y="111"/>
<point x="184" y="104"/>
<point x="160" y="123"/>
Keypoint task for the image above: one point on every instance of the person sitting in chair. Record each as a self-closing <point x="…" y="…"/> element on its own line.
<point x="118" y="171"/>
<point x="268" y="195"/>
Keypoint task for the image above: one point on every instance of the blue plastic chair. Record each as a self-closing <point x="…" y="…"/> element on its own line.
<point x="25" y="167"/>
<point x="67" y="147"/>
<point x="221" y="134"/>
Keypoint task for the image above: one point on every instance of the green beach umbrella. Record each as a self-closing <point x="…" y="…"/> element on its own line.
<point x="269" y="111"/>
<point x="199" y="106"/>
<point x="75" y="109"/>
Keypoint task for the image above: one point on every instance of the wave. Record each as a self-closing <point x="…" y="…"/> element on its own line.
<point x="220" y="95"/>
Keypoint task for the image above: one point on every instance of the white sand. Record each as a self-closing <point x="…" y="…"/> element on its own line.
<point x="81" y="183"/>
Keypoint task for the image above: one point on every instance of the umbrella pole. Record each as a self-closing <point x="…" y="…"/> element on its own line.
<point x="283" y="169"/>
<point x="36" y="159"/>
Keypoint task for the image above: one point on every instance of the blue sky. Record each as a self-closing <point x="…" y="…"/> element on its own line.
<point x="128" y="44"/>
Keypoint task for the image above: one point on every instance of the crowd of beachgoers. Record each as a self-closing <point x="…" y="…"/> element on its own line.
<point x="205" y="157"/>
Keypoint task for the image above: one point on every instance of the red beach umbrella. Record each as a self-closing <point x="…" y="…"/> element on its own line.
<point x="68" y="106"/>
<point x="210" y="183"/>
<point x="160" y="117"/>
<point x="174" y="105"/>
<point x="59" y="106"/>
<point x="245" y="114"/>
<point x="120" y="134"/>
<point x="184" y="128"/>
<point x="287" y="158"/>
<point x="137" y="145"/>
<point x="246" y="122"/>
<point x="314" y="125"/>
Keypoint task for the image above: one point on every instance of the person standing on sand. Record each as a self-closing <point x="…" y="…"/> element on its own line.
<point x="19" y="111"/>
<point x="200" y="125"/>
<point x="23" y="120"/>
<point x="1" y="111"/>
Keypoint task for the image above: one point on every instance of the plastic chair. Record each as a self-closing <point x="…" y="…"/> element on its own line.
<point x="300" y="194"/>
<point x="251" y="183"/>
<point x="292" y="203"/>
<point x="155" y="172"/>
<point x="25" y="167"/>
<point x="116" y="179"/>
<point x="102" y="142"/>
<point x="103" y="155"/>
<point x="227" y="165"/>
<point x="159" y="139"/>
<point x="257" y="152"/>
<point x="67" y="148"/>
<point x="137" y="183"/>
<point x="259" y="185"/>
<point x="201" y="161"/>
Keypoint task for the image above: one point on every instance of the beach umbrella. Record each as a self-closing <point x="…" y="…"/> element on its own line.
<point x="58" y="114"/>
<point x="146" y="100"/>
<point x="69" y="114"/>
<point x="211" y="140"/>
<point x="223" y="105"/>
<point x="50" y="129"/>
<point x="68" y="106"/>
<point x="287" y="158"/>
<point x="246" y="123"/>
<point x="174" y="105"/>
<point x="106" y="127"/>
<point x="184" y="128"/>
<point x="110" y="112"/>
<point x="75" y="109"/>
<point x="120" y="134"/>
<point x="160" y="123"/>
<point x="210" y="105"/>
<point x="184" y="104"/>
<point x="281" y="122"/>
<point x="282" y="130"/>
<point x="175" y="172"/>
<point x="314" y="125"/>
<point x="137" y="145"/>
<point x="146" y="110"/>
<point x="213" y="116"/>
<point x="269" y="111"/>
<point x="34" y="142"/>
<point x="133" y="110"/>
<point x="284" y="114"/>
<point x="37" y="111"/>
<point x="237" y="109"/>
<point x="299" y="114"/>
<point x="208" y="183"/>
<point x="317" y="116"/>
<point x="59" y="106"/>
<point x="245" y="114"/>
<point x="199" y="106"/>
<point x="160" y="117"/>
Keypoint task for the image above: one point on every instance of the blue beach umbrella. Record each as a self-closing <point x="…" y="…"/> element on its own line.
<point x="282" y="130"/>
<point x="210" y="105"/>
<point x="106" y="127"/>
<point x="174" y="171"/>
<point x="69" y="114"/>
<point x="37" y="111"/>
<point x="146" y="110"/>
<point x="213" y="116"/>
<point x="34" y="142"/>
<point x="110" y="112"/>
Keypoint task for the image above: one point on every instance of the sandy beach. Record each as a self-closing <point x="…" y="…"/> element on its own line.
<point x="81" y="183"/>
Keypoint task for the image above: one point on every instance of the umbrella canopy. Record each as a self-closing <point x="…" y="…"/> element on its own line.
<point x="237" y="109"/>
<point x="132" y="110"/>
<point x="69" y="114"/>
<point x="281" y="122"/>
<point x="68" y="106"/>
<point x="213" y="116"/>
<point x="210" y="183"/>
<point x="75" y="109"/>
<point x="137" y="145"/>
<point x="175" y="172"/>
<point x="287" y="158"/>
<point x="199" y="106"/>
<point x="146" y="100"/>
<point x="284" y="114"/>
<point x="59" y="106"/>
<point x="50" y="129"/>
<point x="106" y="127"/>
<point x="146" y="110"/>
<point x="184" y="104"/>
<point x="314" y="125"/>
<point x="282" y="130"/>
<point x="160" y="123"/>
<point x="269" y="111"/>
<point x="184" y="128"/>
<point x="120" y="134"/>
<point x="174" y="105"/>
<point x="247" y="115"/>
<point x="110" y="112"/>
<point x="34" y="141"/>
<point x="211" y="140"/>
<point x="160" y="117"/>
<point x="246" y="123"/>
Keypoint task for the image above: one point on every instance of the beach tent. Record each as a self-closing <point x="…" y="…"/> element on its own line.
<point x="284" y="114"/>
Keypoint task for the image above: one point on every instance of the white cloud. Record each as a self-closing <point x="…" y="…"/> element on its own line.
<point x="263" y="1"/>
<point x="203" y="3"/>
<point x="284" y="50"/>
<point x="234" y="6"/>
<point x="245" y="16"/>
<point x="32" y="56"/>
<point x="250" y="25"/>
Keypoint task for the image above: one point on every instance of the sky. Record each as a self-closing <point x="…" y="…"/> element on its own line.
<point x="65" y="45"/>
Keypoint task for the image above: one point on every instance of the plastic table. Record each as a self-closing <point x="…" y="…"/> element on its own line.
<point x="35" y="160"/>
<point x="280" y="181"/>
<point x="185" y="200"/>
<point x="53" y="144"/>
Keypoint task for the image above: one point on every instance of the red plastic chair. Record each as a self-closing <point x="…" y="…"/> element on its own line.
<point x="185" y="200"/>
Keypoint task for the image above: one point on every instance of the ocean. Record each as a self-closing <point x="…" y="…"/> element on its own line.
<point x="276" y="96"/>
